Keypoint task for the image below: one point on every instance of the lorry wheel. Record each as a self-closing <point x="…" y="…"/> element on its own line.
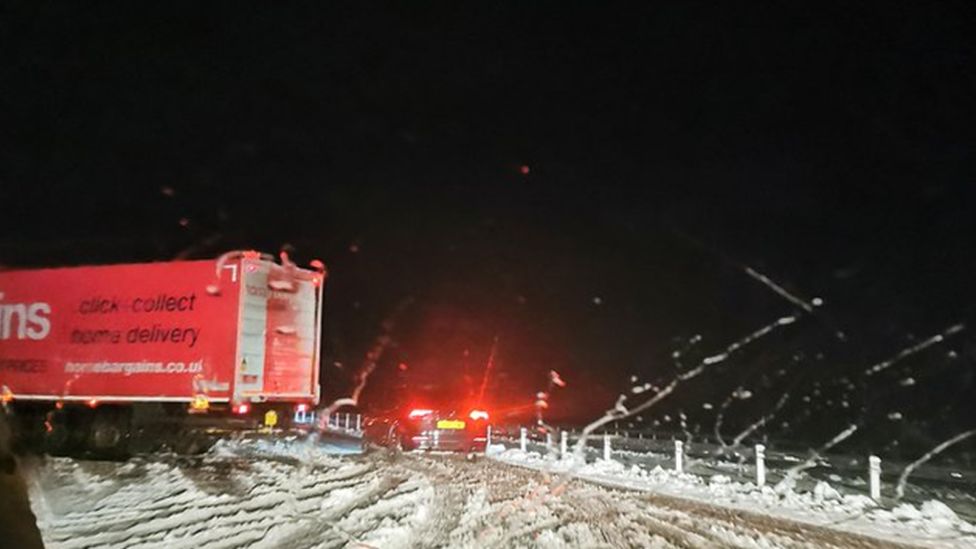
<point x="28" y="430"/>
<point x="109" y="433"/>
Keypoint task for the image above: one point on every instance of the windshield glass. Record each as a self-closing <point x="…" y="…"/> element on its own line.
<point x="487" y="274"/>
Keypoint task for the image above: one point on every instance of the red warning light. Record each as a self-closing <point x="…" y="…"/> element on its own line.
<point x="524" y="169"/>
<point x="478" y="414"/>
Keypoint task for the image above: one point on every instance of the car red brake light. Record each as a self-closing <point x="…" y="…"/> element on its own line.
<point x="478" y="414"/>
<point x="419" y="413"/>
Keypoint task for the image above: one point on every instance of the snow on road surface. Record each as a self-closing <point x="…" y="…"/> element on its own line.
<point x="259" y="494"/>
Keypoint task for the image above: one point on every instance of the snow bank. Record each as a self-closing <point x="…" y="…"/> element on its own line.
<point x="932" y="523"/>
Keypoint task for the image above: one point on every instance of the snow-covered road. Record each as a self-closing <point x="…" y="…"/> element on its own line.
<point x="261" y="494"/>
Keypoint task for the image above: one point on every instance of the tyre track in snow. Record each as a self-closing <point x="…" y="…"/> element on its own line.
<point x="588" y="515"/>
<point x="256" y="497"/>
<point x="137" y="515"/>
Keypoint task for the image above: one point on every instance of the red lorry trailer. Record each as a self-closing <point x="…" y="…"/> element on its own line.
<point x="90" y="356"/>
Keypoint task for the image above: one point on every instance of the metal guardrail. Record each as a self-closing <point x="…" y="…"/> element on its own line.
<point x="760" y="465"/>
<point x="348" y="423"/>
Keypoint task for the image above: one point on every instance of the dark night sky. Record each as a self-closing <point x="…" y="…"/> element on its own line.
<point x="828" y="147"/>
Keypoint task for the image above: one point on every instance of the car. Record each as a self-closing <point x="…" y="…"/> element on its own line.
<point x="447" y="428"/>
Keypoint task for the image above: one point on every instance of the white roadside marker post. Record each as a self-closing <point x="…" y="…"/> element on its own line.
<point x="760" y="465"/>
<point x="487" y="438"/>
<point x="562" y="443"/>
<point x="679" y="456"/>
<point x="548" y="441"/>
<point x="523" y="432"/>
<point x="874" y="474"/>
<point x="359" y="423"/>
<point x="606" y="447"/>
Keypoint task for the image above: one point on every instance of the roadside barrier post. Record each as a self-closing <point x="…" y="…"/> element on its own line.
<point x="760" y="465"/>
<point x="874" y="474"/>
<point x="522" y="435"/>
<point x="347" y="421"/>
<point x="359" y="422"/>
<point x="606" y="446"/>
<point x="548" y="441"/>
<point x="562" y="443"/>
<point x="487" y="437"/>
<point x="679" y="456"/>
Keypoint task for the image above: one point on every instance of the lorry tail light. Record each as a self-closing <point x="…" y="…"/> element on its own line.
<point x="478" y="414"/>
<point x="93" y="403"/>
<point x="6" y="395"/>
<point x="301" y="408"/>
<point x="419" y="413"/>
<point x="242" y="408"/>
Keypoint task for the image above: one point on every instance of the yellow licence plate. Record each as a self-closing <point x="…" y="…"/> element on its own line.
<point x="450" y="424"/>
